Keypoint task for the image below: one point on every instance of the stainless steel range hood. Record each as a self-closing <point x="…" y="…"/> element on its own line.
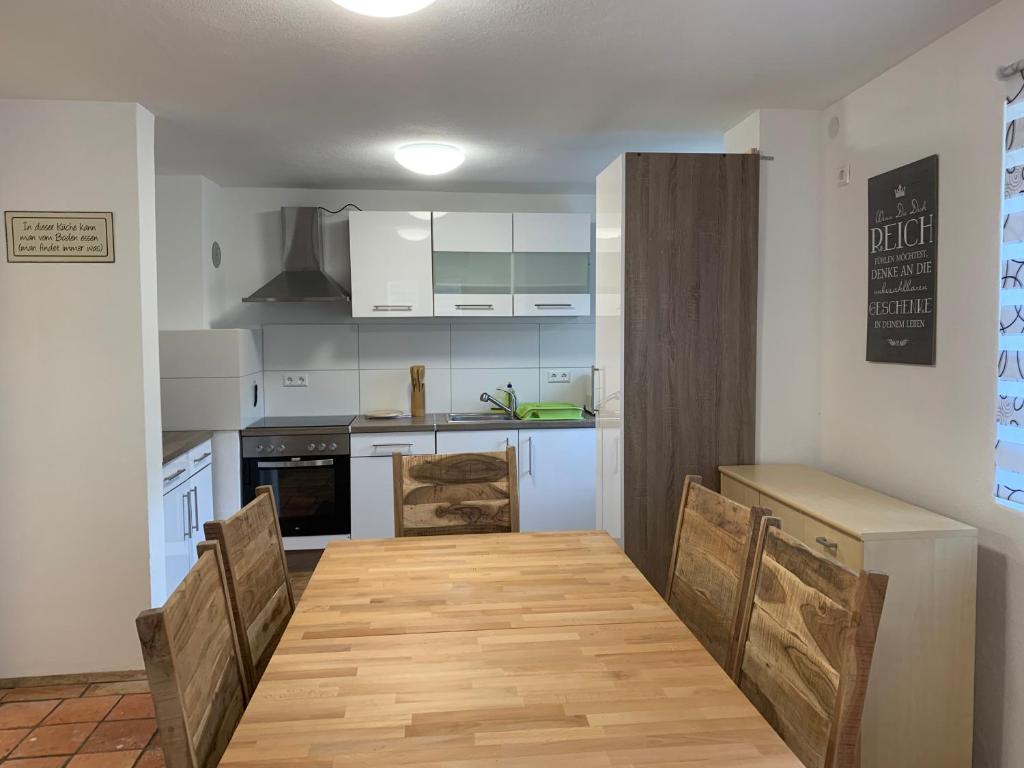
<point x="303" y="278"/>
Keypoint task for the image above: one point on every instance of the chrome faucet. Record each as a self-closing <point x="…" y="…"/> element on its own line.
<point x="486" y="397"/>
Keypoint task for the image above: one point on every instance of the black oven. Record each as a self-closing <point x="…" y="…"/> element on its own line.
<point x="310" y="478"/>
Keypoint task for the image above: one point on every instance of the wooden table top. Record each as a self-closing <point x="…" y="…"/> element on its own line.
<point x="508" y="650"/>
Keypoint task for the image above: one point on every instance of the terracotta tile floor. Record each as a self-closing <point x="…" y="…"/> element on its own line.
<point x="85" y="721"/>
<point x="97" y="724"/>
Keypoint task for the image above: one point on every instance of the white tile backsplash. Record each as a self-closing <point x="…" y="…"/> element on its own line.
<point x="391" y="389"/>
<point x="328" y="393"/>
<point x="495" y="346"/>
<point x="577" y="391"/>
<point x="468" y="383"/>
<point x="569" y="346"/>
<point x="311" y="347"/>
<point x="400" y="346"/>
<point x="358" y="367"/>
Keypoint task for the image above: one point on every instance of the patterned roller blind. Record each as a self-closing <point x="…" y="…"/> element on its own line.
<point x="1009" y="481"/>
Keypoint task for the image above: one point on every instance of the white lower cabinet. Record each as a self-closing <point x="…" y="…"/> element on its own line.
<point x="177" y="542"/>
<point x="557" y="468"/>
<point x="373" y="499"/>
<point x="188" y="505"/>
<point x="477" y="441"/>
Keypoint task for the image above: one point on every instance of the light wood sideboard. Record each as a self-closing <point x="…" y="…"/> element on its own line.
<point x="920" y="702"/>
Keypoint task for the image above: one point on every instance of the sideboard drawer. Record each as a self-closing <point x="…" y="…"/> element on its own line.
<point x="824" y="538"/>
<point x="793" y="521"/>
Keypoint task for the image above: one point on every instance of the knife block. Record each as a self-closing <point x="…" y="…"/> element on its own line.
<point x="418" y="399"/>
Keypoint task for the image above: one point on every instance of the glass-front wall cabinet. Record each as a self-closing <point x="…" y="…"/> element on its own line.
<point x="551" y="264"/>
<point x="472" y="264"/>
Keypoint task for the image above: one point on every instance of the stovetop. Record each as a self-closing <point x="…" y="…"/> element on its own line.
<point x="285" y="425"/>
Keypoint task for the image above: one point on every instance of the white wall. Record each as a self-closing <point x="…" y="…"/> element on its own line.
<point x="788" y="336"/>
<point x="179" y="243"/>
<point x="926" y="434"/>
<point x="79" y="414"/>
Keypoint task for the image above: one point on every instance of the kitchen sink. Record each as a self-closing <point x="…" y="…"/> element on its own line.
<point x="466" y="418"/>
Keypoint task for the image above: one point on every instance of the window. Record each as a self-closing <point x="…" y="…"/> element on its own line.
<point x="1009" y="479"/>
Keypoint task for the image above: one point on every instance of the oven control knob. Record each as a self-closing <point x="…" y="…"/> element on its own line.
<point x="333" y="446"/>
<point x="322" y="447"/>
<point x="259" y="448"/>
<point x="311" y="447"/>
<point x="280" y="448"/>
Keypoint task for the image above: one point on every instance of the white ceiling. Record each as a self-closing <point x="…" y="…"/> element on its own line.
<point x="541" y="94"/>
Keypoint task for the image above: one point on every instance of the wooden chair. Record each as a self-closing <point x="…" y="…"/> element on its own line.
<point x="808" y="642"/>
<point x="194" y="666"/>
<point x="711" y="569"/>
<point x="456" y="493"/>
<point x="261" y="595"/>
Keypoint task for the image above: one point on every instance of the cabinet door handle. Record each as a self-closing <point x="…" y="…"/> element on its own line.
<point x="831" y="546"/>
<point x="392" y="307"/>
<point x="186" y="516"/>
<point x="255" y="394"/>
<point x="529" y="457"/>
<point x="593" y="387"/>
<point x="474" y="306"/>
<point x="195" y="518"/>
<point x="553" y="306"/>
<point x="204" y="457"/>
<point x="174" y="475"/>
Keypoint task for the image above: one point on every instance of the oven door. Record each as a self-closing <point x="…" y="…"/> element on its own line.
<point x="312" y="494"/>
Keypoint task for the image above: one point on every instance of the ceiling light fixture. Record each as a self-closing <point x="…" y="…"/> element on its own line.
<point x="430" y="159"/>
<point x="384" y="8"/>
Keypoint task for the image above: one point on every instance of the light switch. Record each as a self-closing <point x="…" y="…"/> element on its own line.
<point x="296" y="380"/>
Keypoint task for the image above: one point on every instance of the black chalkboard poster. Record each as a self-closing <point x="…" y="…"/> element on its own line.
<point x="903" y="236"/>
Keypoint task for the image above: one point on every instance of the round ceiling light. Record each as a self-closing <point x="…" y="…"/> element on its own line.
<point x="384" y="8"/>
<point x="430" y="159"/>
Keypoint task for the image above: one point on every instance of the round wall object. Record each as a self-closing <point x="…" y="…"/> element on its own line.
<point x="215" y="256"/>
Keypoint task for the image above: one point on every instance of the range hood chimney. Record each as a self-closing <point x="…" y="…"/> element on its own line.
<point x="303" y="278"/>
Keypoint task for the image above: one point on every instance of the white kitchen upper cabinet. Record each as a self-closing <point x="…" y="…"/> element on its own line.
<point x="551" y="233"/>
<point x="557" y="469"/>
<point x="473" y="232"/>
<point x="472" y="264"/>
<point x="392" y="273"/>
<point x="551" y="264"/>
<point x="373" y="498"/>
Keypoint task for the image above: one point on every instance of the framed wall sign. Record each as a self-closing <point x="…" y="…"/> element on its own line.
<point x="903" y="236"/>
<point x="58" y="236"/>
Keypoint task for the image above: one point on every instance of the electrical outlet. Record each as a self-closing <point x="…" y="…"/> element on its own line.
<point x="559" y="377"/>
<point x="296" y="380"/>
<point x="843" y="179"/>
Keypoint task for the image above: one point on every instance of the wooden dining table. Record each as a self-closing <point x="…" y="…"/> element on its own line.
<point x="512" y="650"/>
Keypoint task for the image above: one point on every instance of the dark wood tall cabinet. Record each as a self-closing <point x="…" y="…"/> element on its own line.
<point x="676" y="330"/>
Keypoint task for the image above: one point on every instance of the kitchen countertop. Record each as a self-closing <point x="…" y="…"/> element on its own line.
<point x="177" y="443"/>
<point x="438" y="422"/>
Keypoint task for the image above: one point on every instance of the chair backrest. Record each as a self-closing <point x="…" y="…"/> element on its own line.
<point x="194" y="666"/>
<point x="261" y="595"/>
<point x="807" y="649"/>
<point x="456" y="493"/>
<point x="711" y="568"/>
